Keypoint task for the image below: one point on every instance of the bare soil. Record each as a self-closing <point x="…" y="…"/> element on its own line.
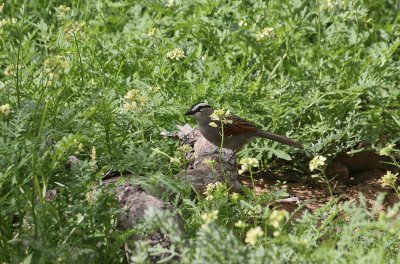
<point x="316" y="194"/>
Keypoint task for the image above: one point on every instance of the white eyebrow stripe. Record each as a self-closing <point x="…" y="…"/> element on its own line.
<point x="198" y="106"/>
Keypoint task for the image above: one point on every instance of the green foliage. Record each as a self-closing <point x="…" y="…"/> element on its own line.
<point x="84" y="76"/>
<point x="334" y="233"/>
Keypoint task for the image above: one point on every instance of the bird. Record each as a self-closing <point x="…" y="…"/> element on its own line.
<point x="237" y="131"/>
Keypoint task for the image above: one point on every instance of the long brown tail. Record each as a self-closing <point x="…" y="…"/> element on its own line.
<point x="281" y="139"/>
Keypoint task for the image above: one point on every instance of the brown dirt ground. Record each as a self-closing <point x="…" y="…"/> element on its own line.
<point x="317" y="194"/>
<point x="353" y="173"/>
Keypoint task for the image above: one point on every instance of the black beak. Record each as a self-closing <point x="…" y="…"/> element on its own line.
<point x="190" y="112"/>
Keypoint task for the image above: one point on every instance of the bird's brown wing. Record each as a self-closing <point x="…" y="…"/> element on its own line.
<point x="238" y="126"/>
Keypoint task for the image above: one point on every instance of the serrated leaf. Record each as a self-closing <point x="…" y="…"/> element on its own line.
<point x="281" y="154"/>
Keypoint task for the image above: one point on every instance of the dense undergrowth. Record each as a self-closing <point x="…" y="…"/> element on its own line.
<point x="101" y="79"/>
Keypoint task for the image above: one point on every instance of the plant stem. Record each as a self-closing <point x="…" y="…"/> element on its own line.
<point x="326" y="181"/>
<point x="252" y="178"/>
<point x="220" y="152"/>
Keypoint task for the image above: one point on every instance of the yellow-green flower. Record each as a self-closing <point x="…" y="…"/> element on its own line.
<point x="328" y="4"/>
<point x="130" y="106"/>
<point x="11" y="70"/>
<point x="5" y="109"/>
<point x="213" y="124"/>
<point x="253" y="235"/>
<point x="169" y="3"/>
<point x="209" y="217"/>
<point x="219" y="114"/>
<point x="213" y="187"/>
<point x="277" y="216"/>
<point x="317" y="163"/>
<point x="248" y="163"/>
<point x="92" y="196"/>
<point x="155" y="89"/>
<point x="241" y="224"/>
<point x="242" y="23"/>
<point x="209" y="162"/>
<point x="7" y="22"/>
<point x="389" y="179"/>
<point x="235" y="197"/>
<point x="252" y="162"/>
<point x="93" y="154"/>
<point x="141" y="99"/>
<point x="63" y="8"/>
<point x="79" y="147"/>
<point x="62" y="11"/>
<point x="267" y="32"/>
<point x="387" y="151"/>
<point x="131" y="95"/>
<point x="152" y="32"/>
<point x="72" y="29"/>
<point x="133" y="98"/>
<point x="185" y="148"/>
<point x="174" y="160"/>
<point x="255" y="211"/>
<point x="54" y="66"/>
<point x="176" y="54"/>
